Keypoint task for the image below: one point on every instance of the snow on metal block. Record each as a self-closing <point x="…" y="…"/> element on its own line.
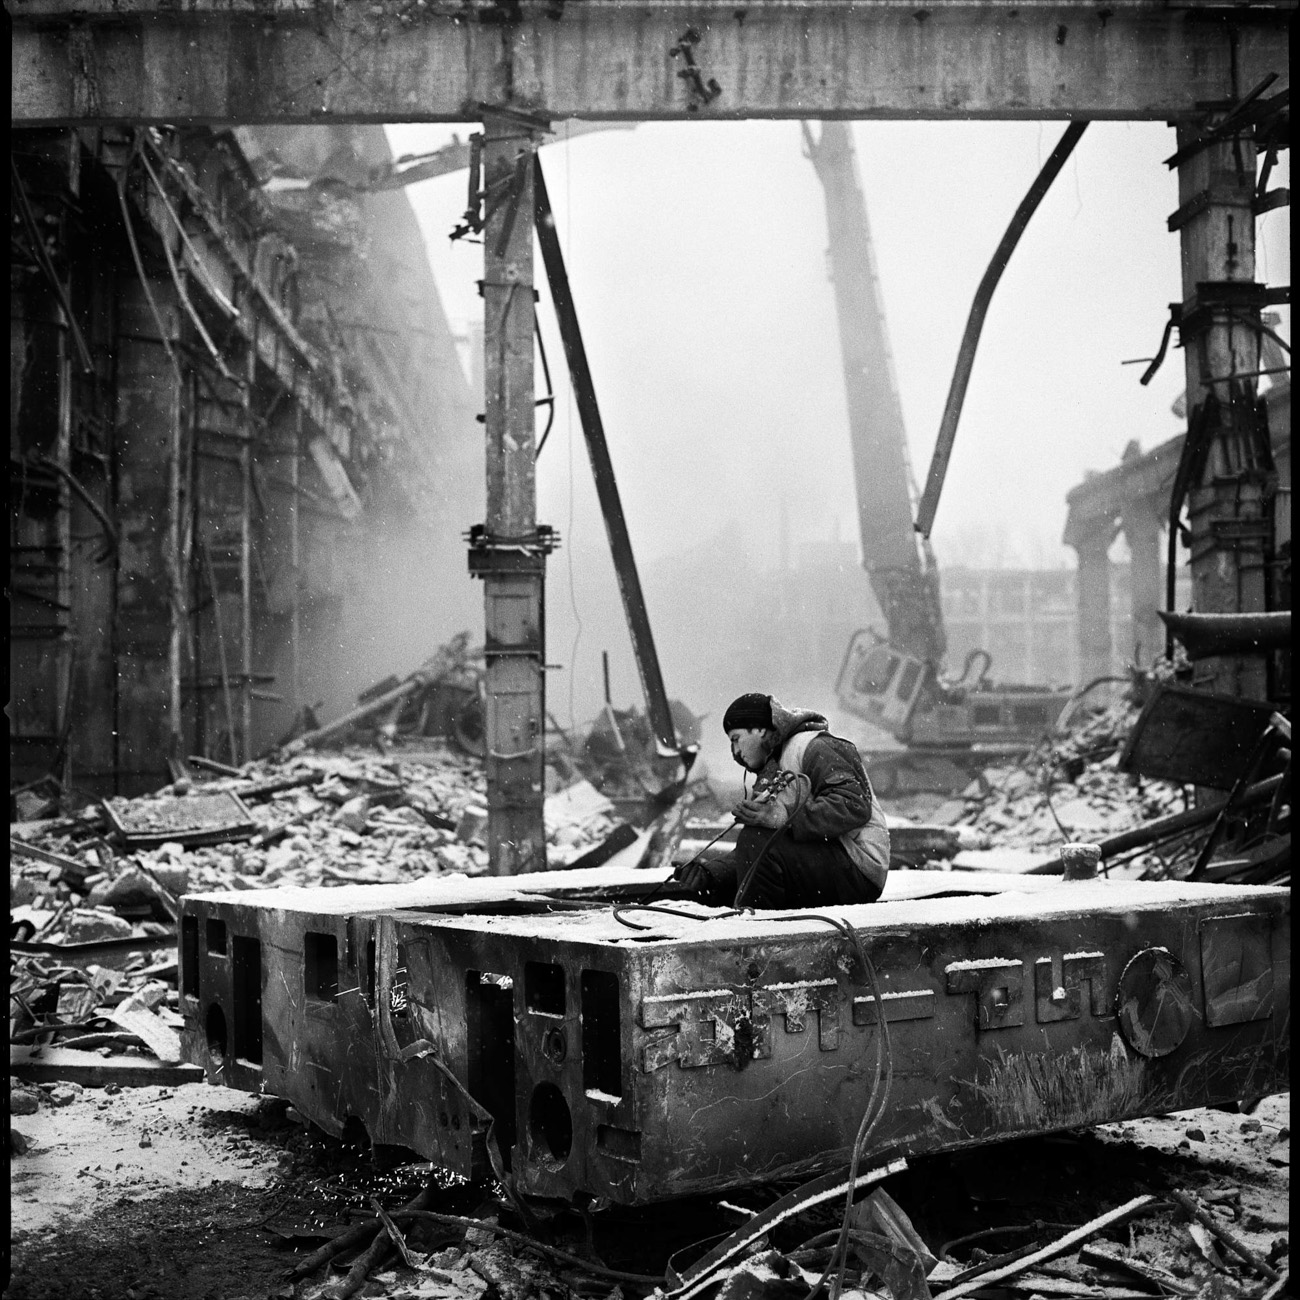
<point x="641" y="1064"/>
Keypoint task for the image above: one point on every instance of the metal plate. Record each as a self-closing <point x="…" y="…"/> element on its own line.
<point x="1154" y="1003"/>
<point x="1194" y="738"/>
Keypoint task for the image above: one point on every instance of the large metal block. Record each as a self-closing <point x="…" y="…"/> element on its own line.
<point x="702" y="1052"/>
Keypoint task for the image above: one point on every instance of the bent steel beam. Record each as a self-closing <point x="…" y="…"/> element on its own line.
<point x="970" y="338"/>
<point x="602" y="470"/>
<point x="696" y="1052"/>
<point x="280" y="61"/>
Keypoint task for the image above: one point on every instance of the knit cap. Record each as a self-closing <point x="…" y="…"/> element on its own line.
<point x="752" y="711"/>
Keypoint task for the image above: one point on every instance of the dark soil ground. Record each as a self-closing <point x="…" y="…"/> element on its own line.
<point x="224" y="1241"/>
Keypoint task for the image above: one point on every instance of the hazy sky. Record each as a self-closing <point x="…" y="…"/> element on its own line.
<point x="697" y="257"/>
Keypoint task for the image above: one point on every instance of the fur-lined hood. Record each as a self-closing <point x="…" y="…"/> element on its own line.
<point x="789" y="722"/>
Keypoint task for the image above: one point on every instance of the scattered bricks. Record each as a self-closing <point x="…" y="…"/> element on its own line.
<point x="23" y="1101"/>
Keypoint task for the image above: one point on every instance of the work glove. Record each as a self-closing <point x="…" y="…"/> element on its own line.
<point x="774" y="802"/>
<point x="702" y="877"/>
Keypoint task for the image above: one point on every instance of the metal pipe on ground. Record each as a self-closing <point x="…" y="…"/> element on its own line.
<point x="1175" y="824"/>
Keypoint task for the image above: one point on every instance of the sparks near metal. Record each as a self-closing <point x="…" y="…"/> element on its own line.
<point x="712" y="1049"/>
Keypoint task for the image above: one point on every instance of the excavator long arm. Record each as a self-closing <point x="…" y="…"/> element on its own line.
<point x="902" y="574"/>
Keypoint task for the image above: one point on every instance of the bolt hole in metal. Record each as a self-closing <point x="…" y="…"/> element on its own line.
<point x="216" y="1029"/>
<point x="550" y="1123"/>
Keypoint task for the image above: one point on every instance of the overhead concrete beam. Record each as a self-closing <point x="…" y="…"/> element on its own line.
<point x="283" y="61"/>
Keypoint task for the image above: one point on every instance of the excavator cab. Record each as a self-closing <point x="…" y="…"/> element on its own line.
<point x="880" y="683"/>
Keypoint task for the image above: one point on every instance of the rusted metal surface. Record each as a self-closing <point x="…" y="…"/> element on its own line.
<point x="195" y="819"/>
<point x="1194" y="737"/>
<point x="1226" y="476"/>
<point x="1203" y="635"/>
<point x="706" y="1050"/>
<point x="211" y="61"/>
<point x="509" y="550"/>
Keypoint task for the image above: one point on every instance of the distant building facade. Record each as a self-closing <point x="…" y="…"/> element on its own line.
<point x="1028" y="621"/>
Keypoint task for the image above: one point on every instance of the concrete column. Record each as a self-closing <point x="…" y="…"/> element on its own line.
<point x="507" y="552"/>
<point x="1142" y="529"/>
<point x="146" y="630"/>
<point x="1093" y="594"/>
<point x="1230" y="508"/>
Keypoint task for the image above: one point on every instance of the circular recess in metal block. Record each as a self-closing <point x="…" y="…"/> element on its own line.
<point x="1154" y="1002"/>
<point x="550" y="1123"/>
<point x="554" y="1046"/>
<point x="216" y="1027"/>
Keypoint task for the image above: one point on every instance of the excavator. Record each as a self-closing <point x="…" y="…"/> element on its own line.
<point x="897" y="683"/>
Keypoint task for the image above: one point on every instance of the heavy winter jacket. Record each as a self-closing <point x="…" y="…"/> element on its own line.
<point x="841" y="803"/>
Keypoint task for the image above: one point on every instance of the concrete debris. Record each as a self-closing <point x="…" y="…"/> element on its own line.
<point x="315" y="818"/>
<point x="23" y="1101"/>
<point x="1070" y="788"/>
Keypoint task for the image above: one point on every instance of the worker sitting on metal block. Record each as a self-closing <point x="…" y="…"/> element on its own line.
<point x="812" y="832"/>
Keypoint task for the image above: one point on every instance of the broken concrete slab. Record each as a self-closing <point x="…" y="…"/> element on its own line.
<point x="68" y="1064"/>
<point x="137" y="1016"/>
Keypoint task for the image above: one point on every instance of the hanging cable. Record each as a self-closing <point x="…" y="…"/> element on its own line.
<point x="220" y="298"/>
<point x="42" y="257"/>
<point x="144" y="278"/>
<point x="184" y="299"/>
<point x="83" y="493"/>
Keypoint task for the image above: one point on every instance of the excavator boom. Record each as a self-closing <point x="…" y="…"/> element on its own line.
<point x="902" y="576"/>
<point x="896" y="683"/>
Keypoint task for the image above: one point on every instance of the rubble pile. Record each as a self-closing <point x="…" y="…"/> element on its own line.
<point x="110" y="876"/>
<point x="1070" y="788"/>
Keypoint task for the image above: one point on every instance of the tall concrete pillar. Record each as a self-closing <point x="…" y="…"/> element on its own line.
<point x="508" y="551"/>
<point x="1093" y="595"/>
<point x="147" y="623"/>
<point x="1230" y="505"/>
<point x="1142" y="530"/>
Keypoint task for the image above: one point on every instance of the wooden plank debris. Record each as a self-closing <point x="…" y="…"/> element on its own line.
<point x="75" y="871"/>
<point x="1111" y="1257"/>
<point x="1216" y="1229"/>
<point x="1052" y="1249"/>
